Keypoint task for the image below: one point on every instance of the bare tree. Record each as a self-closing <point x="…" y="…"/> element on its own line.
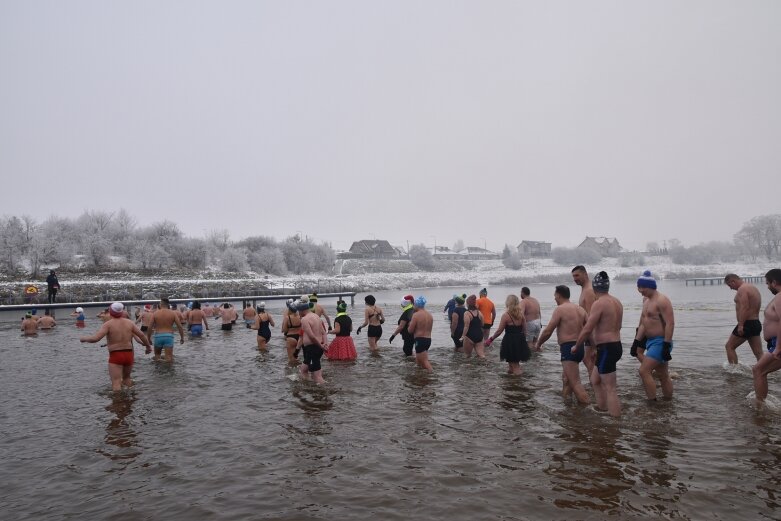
<point x="764" y="232"/>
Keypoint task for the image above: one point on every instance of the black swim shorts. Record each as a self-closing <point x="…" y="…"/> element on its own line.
<point x="751" y="328"/>
<point x="374" y="332"/>
<point x="422" y="345"/>
<point x="607" y="355"/>
<point x="312" y="356"/>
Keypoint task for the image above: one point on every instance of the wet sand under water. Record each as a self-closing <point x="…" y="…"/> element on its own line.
<point x="223" y="434"/>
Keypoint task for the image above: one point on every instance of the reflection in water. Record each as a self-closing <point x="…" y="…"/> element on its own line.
<point x="517" y="396"/>
<point x="118" y="431"/>
<point x="590" y="473"/>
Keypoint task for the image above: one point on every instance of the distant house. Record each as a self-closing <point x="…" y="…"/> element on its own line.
<point x="606" y="246"/>
<point x="476" y="253"/>
<point x="373" y="250"/>
<point x="445" y="253"/>
<point x="534" y="249"/>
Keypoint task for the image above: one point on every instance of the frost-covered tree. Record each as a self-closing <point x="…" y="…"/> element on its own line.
<point x="421" y="257"/>
<point x="234" y="260"/>
<point x="268" y="260"/>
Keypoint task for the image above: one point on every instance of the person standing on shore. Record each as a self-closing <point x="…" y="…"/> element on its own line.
<point x="420" y="328"/>
<point x="52" y="286"/>
<point x="771" y="360"/>
<point x="120" y="332"/>
<point x="587" y="299"/>
<point x="568" y="320"/>
<point x="488" y="310"/>
<point x="657" y="324"/>
<point x="531" y="312"/>
<point x="407" y="308"/>
<point x="604" y="323"/>
<point x="748" y="302"/>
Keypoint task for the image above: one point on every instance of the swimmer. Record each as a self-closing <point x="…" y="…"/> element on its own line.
<point x="450" y="307"/>
<point x="457" y="321"/>
<point x="568" y="320"/>
<point x="407" y="308"/>
<point x="80" y="318"/>
<point x="262" y="322"/>
<point x="228" y="315"/>
<point x="488" y="311"/>
<point x="514" y="349"/>
<point x="291" y="328"/>
<point x="29" y="325"/>
<point x="146" y="321"/>
<point x="604" y="323"/>
<point x="533" y="316"/>
<point x="313" y="341"/>
<point x="748" y="301"/>
<point x="586" y="300"/>
<point x="249" y="315"/>
<point x="657" y="324"/>
<point x="771" y="360"/>
<point x="163" y="322"/>
<point x="46" y="321"/>
<point x="197" y="320"/>
<point x="120" y="332"/>
<point x="374" y="317"/>
<point x="319" y="310"/>
<point x="472" y="336"/>
<point x="420" y="328"/>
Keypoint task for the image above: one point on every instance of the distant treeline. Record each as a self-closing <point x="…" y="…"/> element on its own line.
<point x="104" y="240"/>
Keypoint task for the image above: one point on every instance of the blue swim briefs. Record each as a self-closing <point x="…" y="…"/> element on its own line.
<point x="771" y="344"/>
<point x="653" y="348"/>
<point x="196" y="329"/>
<point x="164" y="340"/>
<point x="568" y="356"/>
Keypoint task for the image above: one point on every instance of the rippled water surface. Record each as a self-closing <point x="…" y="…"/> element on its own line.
<point x="224" y="434"/>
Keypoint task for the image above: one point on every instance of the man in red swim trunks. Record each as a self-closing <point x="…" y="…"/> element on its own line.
<point x="120" y="332"/>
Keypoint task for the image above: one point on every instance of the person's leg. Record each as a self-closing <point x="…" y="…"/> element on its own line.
<point x="599" y="391"/>
<point x="169" y="355"/>
<point x="663" y="372"/>
<point x="646" y="375"/>
<point x="589" y="358"/>
<point x="486" y="333"/>
<point x="572" y="376"/>
<point x="515" y="368"/>
<point x="158" y="352"/>
<point x="566" y="390"/>
<point x="422" y="360"/>
<point x="755" y="343"/>
<point x="611" y="394"/>
<point x="373" y="344"/>
<point x="315" y="367"/>
<point x="115" y="373"/>
<point x="480" y="350"/>
<point x="260" y="342"/>
<point x="469" y="346"/>
<point x="766" y="365"/>
<point x="732" y="343"/>
<point x="126" y="370"/>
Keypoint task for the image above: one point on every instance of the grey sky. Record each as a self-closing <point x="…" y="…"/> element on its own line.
<point x="495" y="121"/>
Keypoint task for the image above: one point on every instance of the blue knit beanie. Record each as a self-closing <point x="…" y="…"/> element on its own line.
<point x="646" y="281"/>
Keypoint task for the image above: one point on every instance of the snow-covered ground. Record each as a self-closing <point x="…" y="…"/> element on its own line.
<point x="383" y="277"/>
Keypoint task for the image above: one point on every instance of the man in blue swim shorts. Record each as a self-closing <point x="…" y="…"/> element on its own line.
<point x="163" y="322"/>
<point x="657" y="324"/>
<point x="604" y="323"/>
<point x="567" y="320"/>
<point x="771" y="360"/>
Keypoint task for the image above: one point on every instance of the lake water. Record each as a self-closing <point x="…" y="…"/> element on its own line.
<point x="223" y="434"/>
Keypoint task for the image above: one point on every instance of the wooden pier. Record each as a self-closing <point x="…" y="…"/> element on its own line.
<point x="718" y="281"/>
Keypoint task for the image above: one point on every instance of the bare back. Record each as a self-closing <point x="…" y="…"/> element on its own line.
<point x="164" y="320"/>
<point x="587" y="298"/>
<point x="531" y="308"/>
<point x="570" y="318"/>
<point x="313" y="329"/>
<point x="421" y="324"/>
<point x="119" y="333"/>
<point x="607" y="314"/>
<point x="197" y="317"/>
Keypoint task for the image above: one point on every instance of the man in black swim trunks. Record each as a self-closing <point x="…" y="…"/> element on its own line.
<point x="604" y="321"/>
<point x="420" y="328"/>
<point x="748" y="301"/>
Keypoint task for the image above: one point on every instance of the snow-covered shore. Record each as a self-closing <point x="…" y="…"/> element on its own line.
<point x="365" y="275"/>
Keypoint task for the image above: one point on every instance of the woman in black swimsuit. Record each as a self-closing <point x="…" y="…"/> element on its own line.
<point x="291" y="328"/>
<point x="374" y="318"/>
<point x="473" y="329"/>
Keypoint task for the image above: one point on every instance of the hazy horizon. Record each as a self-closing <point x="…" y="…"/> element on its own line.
<point x="492" y="123"/>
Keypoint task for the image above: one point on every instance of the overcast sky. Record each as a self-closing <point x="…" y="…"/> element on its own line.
<point x="491" y="122"/>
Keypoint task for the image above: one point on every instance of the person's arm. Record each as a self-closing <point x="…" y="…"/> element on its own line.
<point x="181" y="329"/>
<point x="742" y="304"/>
<point x="271" y="320"/>
<point x="668" y="317"/>
<point x="97" y="336"/>
<point x="141" y="337"/>
<point x="412" y="325"/>
<point x="256" y="324"/>
<point x="285" y="324"/>
<point x="593" y="319"/>
<point x="327" y="318"/>
<point x="454" y="323"/>
<point x="493" y="313"/>
<point x="548" y="331"/>
<point x="337" y="328"/>
<point x="499" y="330"/>
<point x="365" y="321"/>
